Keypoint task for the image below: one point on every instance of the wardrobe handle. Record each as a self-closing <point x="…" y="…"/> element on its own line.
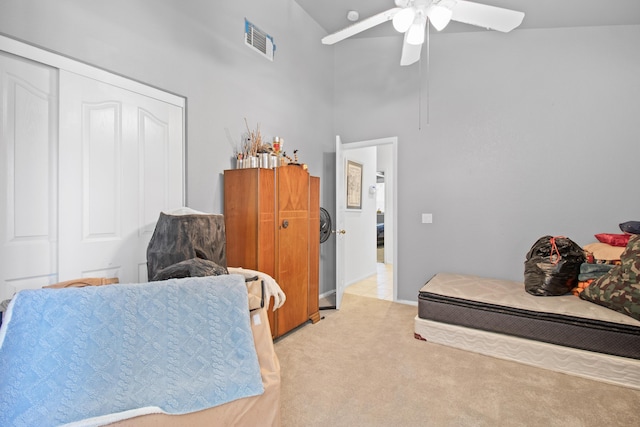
<point x="285" y="223"/>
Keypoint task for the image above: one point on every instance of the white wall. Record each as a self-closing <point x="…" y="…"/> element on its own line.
<point x="531" y="133"/>
<point x="385" y="163"/>
<point x="360" y="224"/>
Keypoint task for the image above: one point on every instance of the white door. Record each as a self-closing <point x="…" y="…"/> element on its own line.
<point x="121" y="164"/>
<point x="27" y="175"/>
<point x="341" y="204"/>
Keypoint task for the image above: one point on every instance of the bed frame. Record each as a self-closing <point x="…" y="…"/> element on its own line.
<point x="454" y="324"/>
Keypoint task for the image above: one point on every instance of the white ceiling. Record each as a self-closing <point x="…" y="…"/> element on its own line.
<point x="332" y="14"/>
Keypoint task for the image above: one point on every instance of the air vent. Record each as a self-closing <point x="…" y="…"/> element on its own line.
<point x="259" y="40"/>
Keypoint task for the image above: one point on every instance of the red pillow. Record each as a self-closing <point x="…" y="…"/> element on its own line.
<point x="614" y="239"/>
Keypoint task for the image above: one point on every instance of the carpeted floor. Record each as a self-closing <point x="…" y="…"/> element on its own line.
<point x="361" y="366"/>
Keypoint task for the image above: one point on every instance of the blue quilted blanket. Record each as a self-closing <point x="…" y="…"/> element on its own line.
<point x="111" y="352"/>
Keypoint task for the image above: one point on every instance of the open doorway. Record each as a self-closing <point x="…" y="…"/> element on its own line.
<point x="380" y="209"/>
<point x="378" y="278"/>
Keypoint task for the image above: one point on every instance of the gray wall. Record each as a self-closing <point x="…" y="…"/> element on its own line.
<point x="530" y="133"/>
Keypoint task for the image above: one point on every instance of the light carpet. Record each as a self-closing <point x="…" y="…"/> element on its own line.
<point x="361" y="366"/>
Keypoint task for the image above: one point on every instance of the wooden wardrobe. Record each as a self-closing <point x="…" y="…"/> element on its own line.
<point x="272" y="221"/>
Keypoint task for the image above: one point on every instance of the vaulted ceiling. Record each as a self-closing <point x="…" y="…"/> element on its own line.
<point x="332" y="14"/>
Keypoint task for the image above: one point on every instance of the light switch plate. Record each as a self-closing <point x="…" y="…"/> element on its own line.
<point x="427" y="218"/>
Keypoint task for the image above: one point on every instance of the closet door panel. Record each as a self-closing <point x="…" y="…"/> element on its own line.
<point x="120" y="165"/>
<point x="100" y="165"/>
<point x="28" y="177"/>
<point x="160" y="141"/>
<point x="160" y="173"/>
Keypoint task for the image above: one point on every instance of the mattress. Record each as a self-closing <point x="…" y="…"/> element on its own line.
<point x="498" y="318"/>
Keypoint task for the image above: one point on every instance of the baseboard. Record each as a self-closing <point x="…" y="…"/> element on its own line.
<point x="326" y="294"/>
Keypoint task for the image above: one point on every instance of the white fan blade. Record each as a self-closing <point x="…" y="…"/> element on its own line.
<point x="482" y="15"/>
<point x="439" y="16"/>
<point x="361" y="26"/>
<point x="410" y="52"/>
<point x="403" y="19"/>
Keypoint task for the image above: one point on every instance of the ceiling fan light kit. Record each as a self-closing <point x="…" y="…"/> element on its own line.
<point x="410" y="17"/>
<point x="415" y="34"/>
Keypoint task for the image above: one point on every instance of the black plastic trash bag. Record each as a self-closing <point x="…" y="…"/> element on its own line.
<point x="552" y="266"/>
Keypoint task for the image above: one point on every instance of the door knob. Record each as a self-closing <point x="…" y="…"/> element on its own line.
<point x="285" y="223"/>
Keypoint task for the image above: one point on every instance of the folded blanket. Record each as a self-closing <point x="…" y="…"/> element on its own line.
<point x="590" y="276"/>
<point x="593" y="271"/>
<point x="587" y="268"/>
<point x="176" y="346"/>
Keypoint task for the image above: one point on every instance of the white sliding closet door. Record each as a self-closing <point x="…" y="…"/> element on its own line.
<point x="28" y="187"/>
<point x="121" y="164"/>
<point x="88" y="160"/>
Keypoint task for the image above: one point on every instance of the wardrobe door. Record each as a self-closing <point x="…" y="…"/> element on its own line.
<point x="292" y="262"/>
<point x="120" y="166"/>
<point x="249" y="216"/>
<point x="28" y="175"/>
<point x="314" y="248"/>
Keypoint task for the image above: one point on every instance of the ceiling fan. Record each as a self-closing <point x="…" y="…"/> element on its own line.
<point x="410" y="17"/>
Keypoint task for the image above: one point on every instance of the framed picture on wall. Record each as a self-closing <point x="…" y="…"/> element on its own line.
<point x="354" y="185"/>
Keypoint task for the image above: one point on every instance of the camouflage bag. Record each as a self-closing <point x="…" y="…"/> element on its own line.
<point x="619" y="289"/>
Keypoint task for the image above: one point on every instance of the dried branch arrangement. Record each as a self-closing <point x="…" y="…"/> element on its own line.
<point x="253" y="143"/>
